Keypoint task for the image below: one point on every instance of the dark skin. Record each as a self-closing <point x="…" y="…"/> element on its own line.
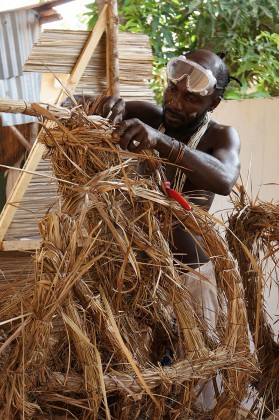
<point x="212" y="168"/>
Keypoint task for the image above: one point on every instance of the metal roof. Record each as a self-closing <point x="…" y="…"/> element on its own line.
<point x="18" y="32"/>
<point x="38" y="6"/>
<point x="26" y="87"/>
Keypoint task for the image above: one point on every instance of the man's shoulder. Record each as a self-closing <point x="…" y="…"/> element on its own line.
<point x="222" y="131"/>
<point x="219" y="137"/>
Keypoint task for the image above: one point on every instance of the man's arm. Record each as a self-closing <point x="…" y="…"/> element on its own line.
<point x="216" y="172"/>
<point x="117" y="110"/>
<point x="215" y="169"/>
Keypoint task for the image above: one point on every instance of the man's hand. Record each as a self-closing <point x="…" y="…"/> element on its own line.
<point x="136" y="136"/>
<point x="111" y="107"/>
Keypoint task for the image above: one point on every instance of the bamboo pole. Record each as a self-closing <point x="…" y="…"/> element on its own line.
<point x="112" y="56"/>
<point x="15" y="106"/>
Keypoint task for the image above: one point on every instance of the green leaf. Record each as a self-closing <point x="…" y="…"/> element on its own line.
<point x="266" y="11"/>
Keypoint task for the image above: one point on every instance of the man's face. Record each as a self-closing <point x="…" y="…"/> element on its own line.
<point x="182" y="108"/>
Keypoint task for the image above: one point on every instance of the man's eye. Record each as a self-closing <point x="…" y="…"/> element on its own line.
<point x="172" y="87"/>
<point x="191" y="98"/>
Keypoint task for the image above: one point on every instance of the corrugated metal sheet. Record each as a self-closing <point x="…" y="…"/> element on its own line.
<point x="18" y="31"/>
<point x="26" y="87"/>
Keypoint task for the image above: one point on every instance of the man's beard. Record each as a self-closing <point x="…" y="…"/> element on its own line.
<point x="186" y="127"/>
<point x="194" y="125"/>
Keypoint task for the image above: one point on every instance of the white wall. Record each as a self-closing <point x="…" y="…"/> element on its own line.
<point x="257" y="122"/>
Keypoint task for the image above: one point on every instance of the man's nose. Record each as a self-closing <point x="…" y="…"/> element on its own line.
<point x="177" y="103"/>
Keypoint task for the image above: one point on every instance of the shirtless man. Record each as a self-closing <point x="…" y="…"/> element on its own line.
<point x="196" y="84"/>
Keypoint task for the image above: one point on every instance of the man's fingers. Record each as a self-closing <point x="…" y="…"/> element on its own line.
<point x="117" y="111"/>
<point x="111" y="107"/>
<point x="99" y="108"/>
<point x="121" y="128"/>
<point x="134" y="144"/>
<point x="108" y="106"/>
<point x="126" y="132"/>
<point x="143" y="145"/>
<point x="116" y="120"/>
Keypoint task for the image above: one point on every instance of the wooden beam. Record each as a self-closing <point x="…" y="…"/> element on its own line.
<point x="112" y="58"/>
<point x="24" y="245"/>
<point x="39" y="6"/>
<point x="49" y="18"/>
<point x="19" y="188"/>
<point x="88" y="50"/>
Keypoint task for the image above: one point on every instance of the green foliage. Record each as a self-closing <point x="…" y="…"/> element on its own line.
<point x="247" y="29"/>
<point x="90" y="18"/>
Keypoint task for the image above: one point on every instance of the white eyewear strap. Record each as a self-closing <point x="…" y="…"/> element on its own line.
<point x="198" y="79"/>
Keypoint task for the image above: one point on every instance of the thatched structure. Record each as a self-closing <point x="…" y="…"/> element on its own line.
<point x="85" y="334"/>
<point x="82" y="55"/>
<point x="256" y="225"/>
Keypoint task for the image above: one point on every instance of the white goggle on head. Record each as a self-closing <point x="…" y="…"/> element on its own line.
<point x="198" y="79"/>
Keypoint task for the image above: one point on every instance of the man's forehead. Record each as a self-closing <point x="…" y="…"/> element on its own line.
<point x="205" y="58"/>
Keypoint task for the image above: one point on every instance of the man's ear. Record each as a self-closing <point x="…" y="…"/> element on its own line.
<point x="214" y="103"/>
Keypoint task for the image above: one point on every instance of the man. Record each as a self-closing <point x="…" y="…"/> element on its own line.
<point x="206" y="153"/>
<point x="203" y="160"/>
<point x="196" y="84"/>
<point x="203" y="157"/>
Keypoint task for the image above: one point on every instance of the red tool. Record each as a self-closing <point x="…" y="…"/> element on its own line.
<point x="175" y="195"/>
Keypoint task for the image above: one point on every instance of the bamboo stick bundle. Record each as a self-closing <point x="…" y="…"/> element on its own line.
<point x="10" y="272"/>
<point x="58" y="51"/>
<point x="107" y="290"/>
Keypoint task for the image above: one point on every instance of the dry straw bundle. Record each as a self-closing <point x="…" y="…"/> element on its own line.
<point x="86" y="337"/>
<point x="256" y="224"/>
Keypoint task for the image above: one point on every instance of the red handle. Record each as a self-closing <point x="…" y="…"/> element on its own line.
<point x="175" y="195"/>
